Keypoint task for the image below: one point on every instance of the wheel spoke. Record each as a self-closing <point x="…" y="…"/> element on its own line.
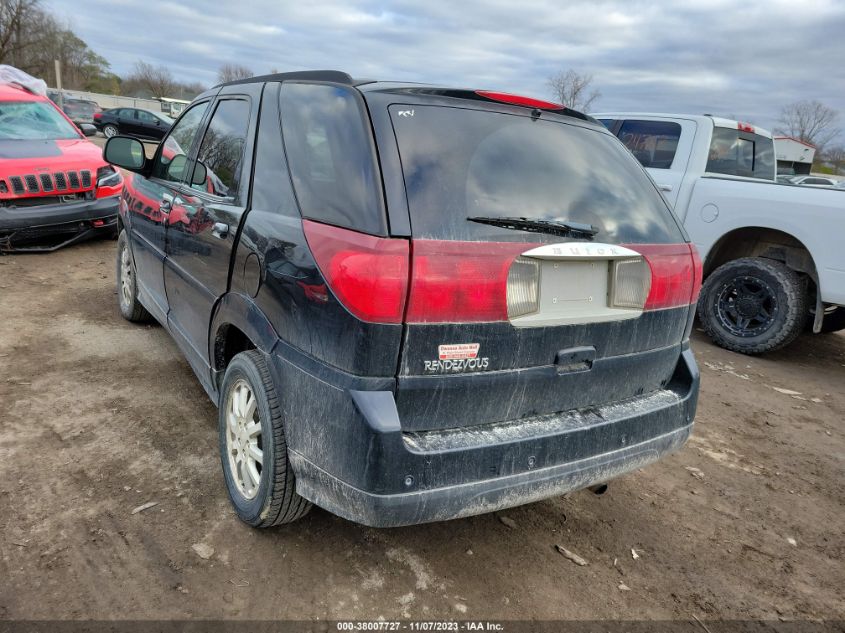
<point x="242" y="396"/>
<point x="250" y="406"/>
<point x="232" y="419"/>
<point x="256" y="453"/>
<point x="252" y="475"/>
<point x="253" y="429"/>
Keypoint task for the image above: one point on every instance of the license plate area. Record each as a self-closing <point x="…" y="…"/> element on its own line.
<point x="575" y="285"/>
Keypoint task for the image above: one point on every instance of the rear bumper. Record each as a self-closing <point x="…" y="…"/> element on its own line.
<point x="361" y="466"/>
<point x="26" y="228"/>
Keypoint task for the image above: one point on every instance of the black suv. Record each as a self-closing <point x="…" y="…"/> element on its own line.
<point x="411" y="303"/>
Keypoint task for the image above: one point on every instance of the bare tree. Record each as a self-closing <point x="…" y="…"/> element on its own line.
<point x="835" y="155"/>
<point x="809" y="121"/>
<point x="572" y="89"/>
<point x="233" y="72"/>
<point x="158" y="81"/>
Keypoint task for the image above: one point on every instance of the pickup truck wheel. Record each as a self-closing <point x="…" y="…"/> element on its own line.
<point x="753" y="305"/>
<point x="127" y="289"/>
<point x="253" y="450"/>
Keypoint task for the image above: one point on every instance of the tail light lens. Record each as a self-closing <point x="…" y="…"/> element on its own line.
<point x="368" y="274"/>
<point x="523" y="287"/>
<point x="675" y="274"/>
<point x="631" y="284"/>
<point x="98" y="116"/>
<point x="461" y="281"/>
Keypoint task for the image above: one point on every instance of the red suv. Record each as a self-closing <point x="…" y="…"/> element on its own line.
<point x="55" y="187"/>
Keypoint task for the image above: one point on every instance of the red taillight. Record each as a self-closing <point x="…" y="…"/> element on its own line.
<point x="98" y="116"/>
<point x="460" y="281"/>
<point x="368" y="274"/>
<point x="675" y="274"/>
<point x="528" y="102"/>
<point x="745" y="127"/>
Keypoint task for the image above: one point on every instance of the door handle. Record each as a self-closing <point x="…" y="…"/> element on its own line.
<point x="220" y="230"/>
<point x="665" y="187"/>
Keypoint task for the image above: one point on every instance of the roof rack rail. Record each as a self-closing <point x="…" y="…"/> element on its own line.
<point x="332" y="76"/>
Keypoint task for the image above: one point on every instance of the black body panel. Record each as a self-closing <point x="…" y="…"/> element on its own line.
<point x="372" y="435"/>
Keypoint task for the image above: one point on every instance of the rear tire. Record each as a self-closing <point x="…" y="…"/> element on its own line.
<point x="253" y="449"/>
<point x="753" y="305"/>
<point x="127" y="287"/>
<point x="110" y="130"/>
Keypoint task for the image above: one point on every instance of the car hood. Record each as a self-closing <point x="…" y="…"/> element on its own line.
<point x="23" y="158"/>
<point x="28" y="157"/>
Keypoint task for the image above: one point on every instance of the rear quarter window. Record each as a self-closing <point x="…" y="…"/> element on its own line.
<point x="738" y="153"/>
<point x="331" y="156"/>
<point x="460" y="163"/>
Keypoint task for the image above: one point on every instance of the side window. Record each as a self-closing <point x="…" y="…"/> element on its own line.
<point x="221" y="153"/>
<point x="331" y="156"/>
<point x="608" y="123"/>
<point x="738" y="153"/>
<point x="172" y="159"/>
<point x="146" y="117"/>
<point x="126" y="113"/>
<point x="271" y="186"/>
<point x="653" y="143"/>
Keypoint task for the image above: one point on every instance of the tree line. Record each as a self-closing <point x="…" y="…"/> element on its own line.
<point x="31" y="38"/>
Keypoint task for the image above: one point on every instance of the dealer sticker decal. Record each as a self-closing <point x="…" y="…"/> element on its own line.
<point x="457" y="358"/>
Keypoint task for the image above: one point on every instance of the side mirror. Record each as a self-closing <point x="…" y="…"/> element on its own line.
<point x="200" y="174"/>
<point x="125" y="152"/>
<point x="88" y="129"/>
<point x="176" y="167"/>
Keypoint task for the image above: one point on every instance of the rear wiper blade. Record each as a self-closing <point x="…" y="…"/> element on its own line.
<point x="554" y="227"/>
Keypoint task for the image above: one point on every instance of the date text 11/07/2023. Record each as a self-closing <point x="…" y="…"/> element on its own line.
<point x="421" y="626"/>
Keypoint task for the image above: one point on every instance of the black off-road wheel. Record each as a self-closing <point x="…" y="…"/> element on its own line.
<point x="753" y="305"/>
<point x="253" y="450"/>
<point x="127" y="287"/>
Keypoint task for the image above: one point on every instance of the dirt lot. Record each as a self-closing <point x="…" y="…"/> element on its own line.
<point x="99" y="416"/>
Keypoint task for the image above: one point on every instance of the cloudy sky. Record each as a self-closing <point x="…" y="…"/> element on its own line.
<point x="745" y="59"/>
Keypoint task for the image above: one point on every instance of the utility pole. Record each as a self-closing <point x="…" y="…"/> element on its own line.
<point x="59" y="82"/>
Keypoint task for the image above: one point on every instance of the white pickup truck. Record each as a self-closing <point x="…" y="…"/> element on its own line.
<point x="774" y="254"/>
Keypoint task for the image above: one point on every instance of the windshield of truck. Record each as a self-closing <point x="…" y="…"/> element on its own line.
<point x="33" y="121"/>
<point x="739" y="153"/>
<point x="462" y="163"/>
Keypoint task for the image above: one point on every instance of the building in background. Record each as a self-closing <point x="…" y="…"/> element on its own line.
<point x="793" y="156"/>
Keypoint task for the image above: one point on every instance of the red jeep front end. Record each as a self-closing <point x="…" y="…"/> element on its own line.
<point x="55" y="187"/>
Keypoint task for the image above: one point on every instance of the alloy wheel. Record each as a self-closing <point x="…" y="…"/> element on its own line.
<point x="244" y="445"/>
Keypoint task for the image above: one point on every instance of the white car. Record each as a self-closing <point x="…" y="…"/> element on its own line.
<point x="773" y="254"/>
<point x="808" y="181"/>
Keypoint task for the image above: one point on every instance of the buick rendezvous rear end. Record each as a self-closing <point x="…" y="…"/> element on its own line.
<point x="450" y="302"/>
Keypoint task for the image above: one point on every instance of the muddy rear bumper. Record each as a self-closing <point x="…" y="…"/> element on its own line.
<point x="366" y="469"/>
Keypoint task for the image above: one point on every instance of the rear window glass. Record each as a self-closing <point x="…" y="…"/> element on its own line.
<point x="330" y="152"/>
<point x="653" y="143"/>
<point x="739" y="153"/>
<point x="460" y="163"/>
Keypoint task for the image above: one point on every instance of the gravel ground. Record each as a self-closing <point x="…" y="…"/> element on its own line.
<point x="99" y="417"/>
